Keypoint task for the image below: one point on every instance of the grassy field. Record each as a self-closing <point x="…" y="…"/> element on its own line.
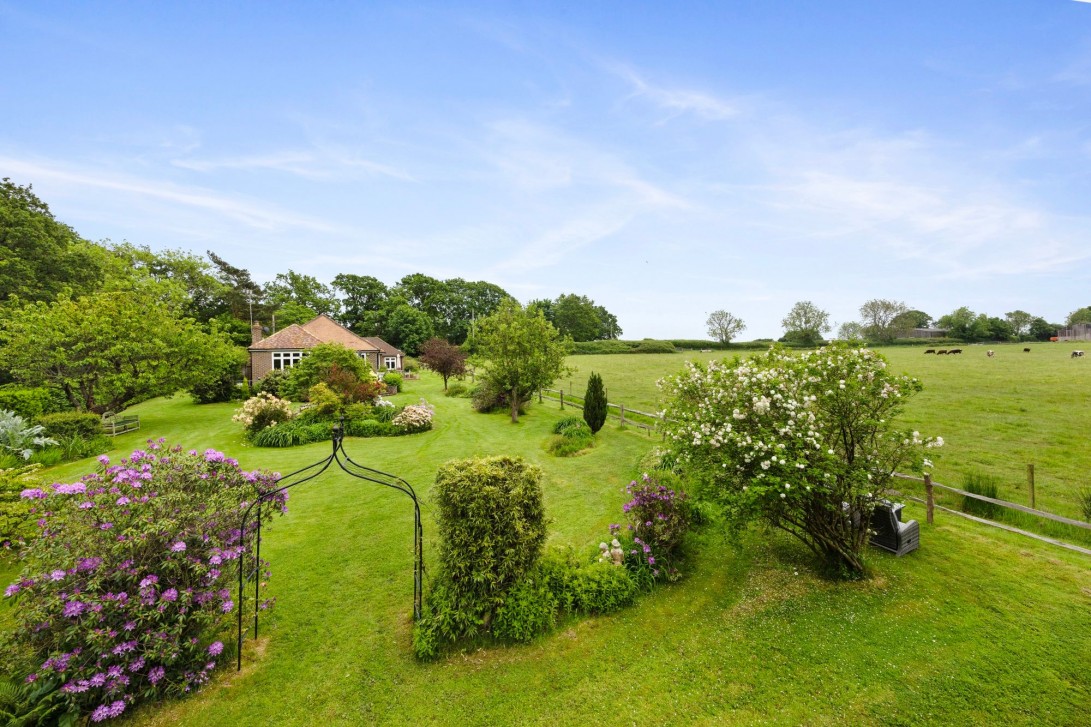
<point x="996" y="415"/>
<point x="976" y="627"/>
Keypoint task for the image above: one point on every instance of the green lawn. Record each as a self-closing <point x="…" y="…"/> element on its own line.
<point x="977" y="627"/>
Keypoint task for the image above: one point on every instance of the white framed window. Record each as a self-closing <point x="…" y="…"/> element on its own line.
<point x="286" y="359"/>
<point x="390" y="362"/>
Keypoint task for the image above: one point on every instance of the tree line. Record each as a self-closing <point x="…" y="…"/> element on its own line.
<point x="110" y="324"/>
<point x="884" y="321"/>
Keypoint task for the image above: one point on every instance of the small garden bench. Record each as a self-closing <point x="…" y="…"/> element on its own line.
<point x="114" y="425"/>
<point x="890" y="533"/>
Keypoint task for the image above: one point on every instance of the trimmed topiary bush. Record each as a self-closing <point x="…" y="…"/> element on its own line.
<point x="594" y="403"/>
<point x="491" y="529"/>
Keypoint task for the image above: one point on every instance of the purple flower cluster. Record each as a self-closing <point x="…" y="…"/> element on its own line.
<point x="657" y="514"/>
<point x="124" y="617"/>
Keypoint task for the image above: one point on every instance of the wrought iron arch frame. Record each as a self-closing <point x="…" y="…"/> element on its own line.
<point x="306" y="474"/>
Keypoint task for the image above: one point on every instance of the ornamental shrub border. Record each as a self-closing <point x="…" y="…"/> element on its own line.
<point x="125" y="594"/>
<point x="558" y="582"/>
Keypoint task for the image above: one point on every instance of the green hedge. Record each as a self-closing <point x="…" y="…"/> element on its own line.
<point x="30" y="402"/>
<point x="71" y="424"/>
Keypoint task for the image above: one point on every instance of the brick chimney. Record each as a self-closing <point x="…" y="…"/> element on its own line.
<point x="255" y="332"/>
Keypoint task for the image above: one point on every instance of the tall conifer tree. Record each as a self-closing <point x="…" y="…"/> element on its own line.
<point x="594" y="403"/>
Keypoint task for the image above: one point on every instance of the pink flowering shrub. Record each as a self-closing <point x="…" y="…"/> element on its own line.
<point x="126" y="593"/>
<point x="415" y="417"/>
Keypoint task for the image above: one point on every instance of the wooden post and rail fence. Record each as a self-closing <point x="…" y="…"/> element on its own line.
<point x="640" y="419"/>
<point x="651" y="422"/>
<point x="931" y="506"/>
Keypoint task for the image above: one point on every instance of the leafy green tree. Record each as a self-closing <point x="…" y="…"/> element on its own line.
<point x="594" y="403"/>
<point x="524" y="352"/>
<point x="39" y="256"/>
<point x="1043" y="330"/>
<point x="998" y="329"/>
<point x="1020" y="321"/>
<point x="362" y="303"/>
<point x="221" y="371"/>
<point x="293" y="313"/>
<point x="1078" y="316"/>
<point x="445" y="359"/>
<point x="407" y="328"/>
<point x="108" y="350"/>
<point x="302" y="290"/>
<point x="850" y="331"/>
<point x="959" y="323"/>
<point x="723" y="326"/>
<point x="904" y="323"/>
<point x="609" y="330"/>
<point x="205" y="294"/>
<point x="878" y="315"/>
<point x="424" y="293"/>
<point x="805" y="324"/>
<point x="577" y="317"/>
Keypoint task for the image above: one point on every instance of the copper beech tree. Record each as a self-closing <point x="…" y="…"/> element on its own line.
<point x="446" y="359"/>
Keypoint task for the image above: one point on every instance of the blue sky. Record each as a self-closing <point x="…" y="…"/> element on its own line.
<point x="665" y="159"/>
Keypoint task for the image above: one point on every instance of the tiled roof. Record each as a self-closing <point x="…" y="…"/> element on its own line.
<point x="323" y="329"/>
<point x="385" y="348"/>
<point x="292" y="337"/>
<point x="328" y="330"/>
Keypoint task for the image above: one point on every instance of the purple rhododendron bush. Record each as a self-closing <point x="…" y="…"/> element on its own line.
<point x="126" y="593"/>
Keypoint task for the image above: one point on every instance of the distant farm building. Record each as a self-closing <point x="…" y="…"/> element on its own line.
<point x="927" y="333"/>
<point x="1078" y="332"/>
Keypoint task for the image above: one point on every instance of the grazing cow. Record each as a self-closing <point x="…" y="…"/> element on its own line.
<point x="931" y="350"/>
<point x="1077" y="354"/>
<point x="941" y="352"/>
<point x="990" y="354"/>
<point x="1026" y="350"/>
<point x="953" y="351"/>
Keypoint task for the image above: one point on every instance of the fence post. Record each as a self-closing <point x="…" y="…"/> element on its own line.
<point x="539" y="395"/>
<point x="621" y="408"/>
<point x="562" y="399"/>
<point x="1030" y="481"/>
<point x="931" y="501"/>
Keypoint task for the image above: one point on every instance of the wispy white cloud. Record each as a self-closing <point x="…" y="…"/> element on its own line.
<point x="676" y="101"/>
<point x="250" y="213"/>
<point x="304" y="164"/>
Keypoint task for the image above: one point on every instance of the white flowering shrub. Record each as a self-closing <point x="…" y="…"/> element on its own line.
<point x="805" y="442"/>
<point x="261" y="411"/>
<point x="415" y="417"/>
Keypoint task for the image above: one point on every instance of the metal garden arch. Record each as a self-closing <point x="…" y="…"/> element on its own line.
<point x="305" y="474"/>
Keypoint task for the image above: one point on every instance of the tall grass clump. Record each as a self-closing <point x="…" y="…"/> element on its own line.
<point x="980" y="484"/>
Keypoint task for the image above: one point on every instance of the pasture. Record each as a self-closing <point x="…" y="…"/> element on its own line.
<point x="976" y="627"/>
<point x="996" y="415"/>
